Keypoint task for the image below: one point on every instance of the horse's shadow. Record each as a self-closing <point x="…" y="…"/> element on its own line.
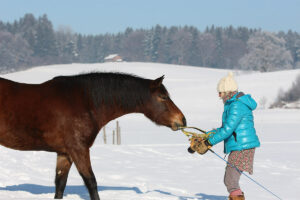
<point x="81" y="191"/>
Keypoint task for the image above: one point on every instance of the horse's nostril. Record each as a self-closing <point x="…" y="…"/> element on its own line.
<point x="184" y="121"/>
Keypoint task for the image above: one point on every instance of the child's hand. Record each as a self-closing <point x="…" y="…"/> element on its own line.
<point x="199" y="144"/>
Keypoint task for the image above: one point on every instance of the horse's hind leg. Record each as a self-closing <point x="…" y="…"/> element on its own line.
<point x="83" y="163"/>
<point x="63" y="165"/>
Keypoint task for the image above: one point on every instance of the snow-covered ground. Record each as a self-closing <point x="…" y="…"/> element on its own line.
<point x="152" y="163"/>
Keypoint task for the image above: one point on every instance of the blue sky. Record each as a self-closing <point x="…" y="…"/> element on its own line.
<point x="112" y="16"/>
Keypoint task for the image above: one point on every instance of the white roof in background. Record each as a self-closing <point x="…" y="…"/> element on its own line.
<point x="111" y="56"/>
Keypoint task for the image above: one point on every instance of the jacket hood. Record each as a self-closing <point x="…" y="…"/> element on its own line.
<point x="249" y="101"/>
<point x="245" y="99"/>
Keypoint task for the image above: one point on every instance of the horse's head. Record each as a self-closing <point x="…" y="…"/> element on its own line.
<point x="161" y="109"/>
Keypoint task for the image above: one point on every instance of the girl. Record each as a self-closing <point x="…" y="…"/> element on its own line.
<point x="237" y="132"/>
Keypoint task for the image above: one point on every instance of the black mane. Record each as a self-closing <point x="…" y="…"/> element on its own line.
<point x="126" y="90"/>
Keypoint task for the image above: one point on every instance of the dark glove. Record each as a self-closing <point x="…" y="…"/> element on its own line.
<point x="190" y="150"/>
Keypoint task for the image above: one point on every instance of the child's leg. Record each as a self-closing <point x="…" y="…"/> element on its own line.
<point x="231" y="179"/>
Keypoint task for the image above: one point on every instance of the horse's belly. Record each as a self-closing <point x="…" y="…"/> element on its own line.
<point x="24" y="142"/>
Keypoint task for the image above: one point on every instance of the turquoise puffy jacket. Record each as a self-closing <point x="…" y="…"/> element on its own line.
<point x="237" y="129"/>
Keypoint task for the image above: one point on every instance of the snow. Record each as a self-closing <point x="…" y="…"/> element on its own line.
<point x="152" y="163"/>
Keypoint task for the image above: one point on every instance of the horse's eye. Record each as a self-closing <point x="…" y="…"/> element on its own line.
<point x="163" y="97"/>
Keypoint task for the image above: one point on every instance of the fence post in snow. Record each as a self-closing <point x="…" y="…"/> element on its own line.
<point x="113" y="137"/>
<point x="104" y="135"/>
<point x="118" y="133"/>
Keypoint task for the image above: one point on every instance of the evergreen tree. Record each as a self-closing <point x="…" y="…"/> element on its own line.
<point x="167" y="44"/>
<point x="148" y="45"/>
<point x="27" y="28"/>
<point x="219" y="60"/>
<point x="45" y="38"/>
<point x="155" y="43"/>
<point x="194" y="56"/>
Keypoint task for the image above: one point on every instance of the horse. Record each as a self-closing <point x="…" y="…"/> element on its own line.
<point x="65" y="114"/>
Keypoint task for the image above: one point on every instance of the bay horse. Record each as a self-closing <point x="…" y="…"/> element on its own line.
<point x="65" y="114"/>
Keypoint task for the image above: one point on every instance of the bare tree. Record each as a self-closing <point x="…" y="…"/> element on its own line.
<point x="14" y="52"/>
<point x="266" y="52"/>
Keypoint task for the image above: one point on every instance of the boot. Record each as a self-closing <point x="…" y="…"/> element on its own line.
<point x="238" y="197"/>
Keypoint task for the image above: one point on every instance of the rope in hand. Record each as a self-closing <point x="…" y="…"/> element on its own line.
<point x="190" y="134"/>
<point x="198" y="142"/>
<point x="205" y="136"/>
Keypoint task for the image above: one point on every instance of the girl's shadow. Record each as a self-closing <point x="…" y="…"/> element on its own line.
<point x="198" y="196"/>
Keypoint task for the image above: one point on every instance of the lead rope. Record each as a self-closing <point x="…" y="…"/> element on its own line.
<point x="189" y="134"/>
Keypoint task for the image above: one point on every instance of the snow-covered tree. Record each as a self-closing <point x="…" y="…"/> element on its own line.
<point x="66" y="44"/>
<point x="14" y="52"/>
<point x="297" y="54"/>
<point x="266" y="52"/>
<point x="289" y="96"/>
<point x="155" y="43"/>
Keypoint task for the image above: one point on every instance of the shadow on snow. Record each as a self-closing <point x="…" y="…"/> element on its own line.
<point x="82" y="192"/>
<point x="198" y="196"/>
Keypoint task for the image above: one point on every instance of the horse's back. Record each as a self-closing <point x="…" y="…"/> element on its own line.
<point x="32" y="115"/>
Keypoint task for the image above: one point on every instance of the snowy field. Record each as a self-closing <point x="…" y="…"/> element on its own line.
<point x="152" y="163"/>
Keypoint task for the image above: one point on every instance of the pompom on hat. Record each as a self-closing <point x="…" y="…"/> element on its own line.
<point x="227" y="84"/>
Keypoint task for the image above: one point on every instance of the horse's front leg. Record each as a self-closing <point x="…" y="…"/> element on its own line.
<point x="82" y="161"/>
<point x="63" y="165"/>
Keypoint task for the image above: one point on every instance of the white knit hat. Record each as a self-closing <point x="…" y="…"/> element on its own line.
<point x="227" y="84"/>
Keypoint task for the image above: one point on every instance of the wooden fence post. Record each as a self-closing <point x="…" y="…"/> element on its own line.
<point x="118" y="133"/>
<point x="104" y="135"/>
<point x="113" y="136"/>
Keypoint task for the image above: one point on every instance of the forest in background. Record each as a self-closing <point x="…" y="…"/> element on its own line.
<point x="32" y="41"/>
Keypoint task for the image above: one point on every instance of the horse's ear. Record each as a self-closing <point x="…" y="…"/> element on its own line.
<point x="157" y="82"/>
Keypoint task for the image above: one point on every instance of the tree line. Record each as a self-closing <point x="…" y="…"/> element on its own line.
<point x="32" y="41"/>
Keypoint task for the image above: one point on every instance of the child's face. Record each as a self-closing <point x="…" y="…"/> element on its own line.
<point x="222" y="96"/>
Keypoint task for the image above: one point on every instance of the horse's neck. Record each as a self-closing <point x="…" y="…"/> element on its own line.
<point x="108" y="113"/>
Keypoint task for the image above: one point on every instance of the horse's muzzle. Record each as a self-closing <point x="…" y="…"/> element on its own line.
<point x="176" y="126"/>
<point x="183" y="121"/>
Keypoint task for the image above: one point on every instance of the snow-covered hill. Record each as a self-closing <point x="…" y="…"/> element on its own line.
<point x="152" y="163"/>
